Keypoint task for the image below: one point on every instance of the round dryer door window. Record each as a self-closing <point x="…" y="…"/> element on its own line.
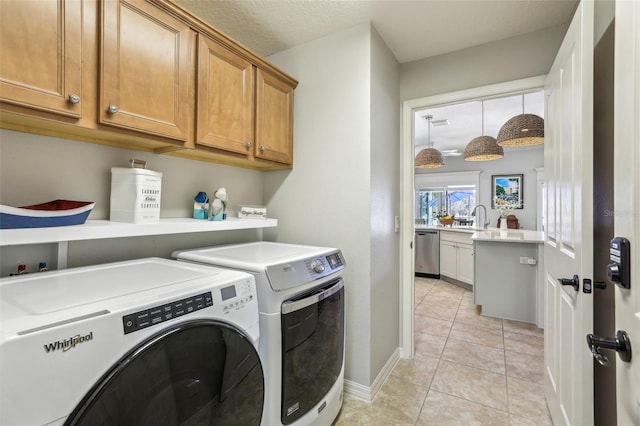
<point x="197" y="373"/>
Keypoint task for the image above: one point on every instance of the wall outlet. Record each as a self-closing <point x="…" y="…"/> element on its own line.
<point x="528" y="260"/>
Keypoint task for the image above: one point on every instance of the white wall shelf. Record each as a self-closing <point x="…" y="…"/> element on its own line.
<point x="101" y="229"/>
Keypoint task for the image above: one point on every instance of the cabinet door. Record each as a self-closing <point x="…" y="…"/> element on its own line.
<point x="41" y="55"/>
<point x="465" y="264"/>
<point x="225" y="98"/>
<point x="146" y="72"/>
<point x="448" y="259"/>
<point x="274" y="119"/>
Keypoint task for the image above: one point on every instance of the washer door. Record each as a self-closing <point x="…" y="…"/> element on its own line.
<point x="197" y="373"/>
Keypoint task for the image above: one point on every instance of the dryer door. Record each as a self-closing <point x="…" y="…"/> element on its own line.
<point x="202" y="372"/>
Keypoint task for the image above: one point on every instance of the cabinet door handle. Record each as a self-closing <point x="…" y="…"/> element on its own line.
<point x="74" y="99"/>
<point x="262" y="148"/>
<point x="248" y="145"/>
<point x="112" y="109"/>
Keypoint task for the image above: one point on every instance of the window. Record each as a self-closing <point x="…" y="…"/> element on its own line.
<point x="454" y="193"/>
<point x="456" y="200"/>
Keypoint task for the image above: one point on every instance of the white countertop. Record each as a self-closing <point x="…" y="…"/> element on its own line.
<point x="513" y="236"/>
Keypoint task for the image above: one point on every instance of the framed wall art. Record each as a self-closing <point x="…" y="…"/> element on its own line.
<point x="507" y="189"/>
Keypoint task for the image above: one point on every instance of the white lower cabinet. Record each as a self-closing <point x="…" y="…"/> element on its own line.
<point x="448" y="259"/>
<point x="456" y="256"/>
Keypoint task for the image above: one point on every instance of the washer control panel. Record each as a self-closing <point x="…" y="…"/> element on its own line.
<point x="225" y="300"/>
<point x="168" y="311"/>
<point x="236" y="296"/>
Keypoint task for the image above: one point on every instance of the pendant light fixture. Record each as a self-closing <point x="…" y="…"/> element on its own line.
<point x="483" y="148"/>
<point x="429" y="158"/>
<point x="522" y="130"/>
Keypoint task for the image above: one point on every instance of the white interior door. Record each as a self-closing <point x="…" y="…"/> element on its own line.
<point x="627" y="200"/>
<point x="569" y="219"/>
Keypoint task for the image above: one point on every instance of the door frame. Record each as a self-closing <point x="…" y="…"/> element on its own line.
<point x="407" y="184"/>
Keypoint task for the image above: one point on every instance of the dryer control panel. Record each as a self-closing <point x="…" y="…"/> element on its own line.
<point x="288" y="275"/>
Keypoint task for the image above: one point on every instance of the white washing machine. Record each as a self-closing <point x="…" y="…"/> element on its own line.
<point x="145" y="342"/>
<point x="301" y="301"/>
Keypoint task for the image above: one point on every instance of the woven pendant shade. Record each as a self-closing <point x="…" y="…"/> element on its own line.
<point x="522" y="130"/>
<point x="483" y="148"/>
<point x="429" y="158"/>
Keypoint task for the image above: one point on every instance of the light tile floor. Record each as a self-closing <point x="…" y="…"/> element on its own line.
<point x="468" y="369"/>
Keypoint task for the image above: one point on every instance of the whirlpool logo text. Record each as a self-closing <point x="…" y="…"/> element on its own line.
<point x="67" y="344"/>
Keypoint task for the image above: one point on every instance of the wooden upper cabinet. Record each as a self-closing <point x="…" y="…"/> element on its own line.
<point x="225" y="99"/>
<point x="147" y="77"/>
<point x="274" y="119"/>
<point x="41" y="55"/>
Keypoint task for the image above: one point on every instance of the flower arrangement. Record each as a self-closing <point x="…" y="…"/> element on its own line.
<point x="505" y="207"/>
<point x="444" y="218"/>
<point x="443" y="214"/>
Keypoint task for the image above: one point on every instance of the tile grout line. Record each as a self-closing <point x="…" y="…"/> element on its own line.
<point x="506" y="376"/>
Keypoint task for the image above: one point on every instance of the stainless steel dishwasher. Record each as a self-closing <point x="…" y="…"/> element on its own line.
<point x="427" y="253"/>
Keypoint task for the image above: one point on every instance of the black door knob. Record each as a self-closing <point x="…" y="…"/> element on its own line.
<point x="620" y="344"/>
<point x="574" y="282"/>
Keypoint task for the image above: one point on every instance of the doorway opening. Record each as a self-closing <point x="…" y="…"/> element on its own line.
<point x="408" y="196"/>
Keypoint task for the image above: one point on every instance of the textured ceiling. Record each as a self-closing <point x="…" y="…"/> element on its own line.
<point x="413" y="30"/>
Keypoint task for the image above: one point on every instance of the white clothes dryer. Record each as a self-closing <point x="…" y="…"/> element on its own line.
<point x="301" y="301"/>
<point x="144" y="342"/>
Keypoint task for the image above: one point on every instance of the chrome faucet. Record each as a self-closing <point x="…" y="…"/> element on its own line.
<point x="473" y="213"/>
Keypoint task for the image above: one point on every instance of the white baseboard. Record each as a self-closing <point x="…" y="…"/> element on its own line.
<point x="367" y="393"/>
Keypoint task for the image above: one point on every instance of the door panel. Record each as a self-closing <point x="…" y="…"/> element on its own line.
<point x="569" y="247"/>
<point x="551" y="332"/>
<point x="225" y="98"/>
<point x="274" y="119"/>
<point x="465" y="264"/>
<point x="41" y="55"/>
<point x="146" y="86"/>
<point x="448" y="260"/>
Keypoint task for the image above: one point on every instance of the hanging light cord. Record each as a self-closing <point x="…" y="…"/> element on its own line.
<point x="482" y="109"/>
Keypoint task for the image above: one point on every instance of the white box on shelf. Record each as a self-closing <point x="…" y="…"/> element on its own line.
<point x="135" y="194"/>
<point x="252" y="212"/>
